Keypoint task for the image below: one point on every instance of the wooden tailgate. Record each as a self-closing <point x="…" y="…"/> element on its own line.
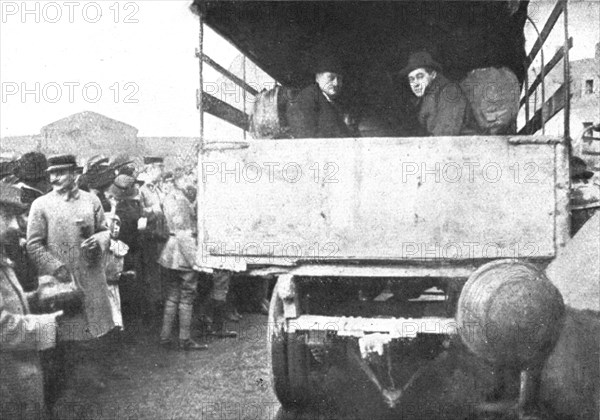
<point x="384" y="198"/>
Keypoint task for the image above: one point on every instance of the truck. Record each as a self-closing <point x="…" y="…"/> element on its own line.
<point x="372" y="239"/>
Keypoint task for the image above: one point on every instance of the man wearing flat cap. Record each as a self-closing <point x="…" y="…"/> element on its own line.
<point x="316" y="112"/>
<point x="67" y="238"/>
<point x="22" y="334"/>
<point x="443" y="108"/>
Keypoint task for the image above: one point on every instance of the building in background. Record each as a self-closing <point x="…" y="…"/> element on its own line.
<point x="585" y="94"/>
<point x="86" y="134"/>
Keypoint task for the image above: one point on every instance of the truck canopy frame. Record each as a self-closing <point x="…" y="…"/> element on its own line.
<point x="374" y="40"/>
<point x="284" y="37"/>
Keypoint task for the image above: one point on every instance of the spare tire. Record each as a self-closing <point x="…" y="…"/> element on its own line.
<point x="509" y="313"/>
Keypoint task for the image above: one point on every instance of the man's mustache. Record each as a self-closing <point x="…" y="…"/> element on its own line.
<point x="61" y="182"/>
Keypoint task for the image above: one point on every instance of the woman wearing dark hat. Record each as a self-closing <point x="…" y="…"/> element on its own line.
<point x="129" y="209"/>
<point x="443" y="108"/>
<point x="8" y="169"/>
<point x="123" y="165"/>
<point x="31" y="171"/>
<point x="316" y="112"/>
<point x="124" y="193"/>
<point x="98" y="178"/>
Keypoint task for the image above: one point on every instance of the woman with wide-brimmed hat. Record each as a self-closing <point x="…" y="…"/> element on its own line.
<point x="98" y="176"/>
<point x="124" y="193"/>
<point x="129" y="209"/>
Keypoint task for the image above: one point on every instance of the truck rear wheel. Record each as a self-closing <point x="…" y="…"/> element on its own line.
<point x="289" y="360"/>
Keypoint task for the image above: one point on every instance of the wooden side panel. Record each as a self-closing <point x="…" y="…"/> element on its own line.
<point x="381" y="198"/>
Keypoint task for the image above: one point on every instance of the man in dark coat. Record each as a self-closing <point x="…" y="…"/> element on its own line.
<point x="315" y="112"/>
<point x="151" y="198"/>
<point x="443" y="108"/>
<point x="22" y="334"/>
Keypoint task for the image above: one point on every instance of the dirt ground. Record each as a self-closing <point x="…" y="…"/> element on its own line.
<point x="231" y="380"/>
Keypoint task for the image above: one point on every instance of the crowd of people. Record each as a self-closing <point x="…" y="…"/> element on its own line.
<point x="86" y="251"/>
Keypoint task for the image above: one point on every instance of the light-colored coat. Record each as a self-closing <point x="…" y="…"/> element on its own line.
<point x="53" y="239"/>
<point x="22" y="336"/>
<point x="179" y="252"/>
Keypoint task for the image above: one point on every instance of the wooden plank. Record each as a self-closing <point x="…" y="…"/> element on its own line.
<point x="566" y="79"/>
<point x="547" y="68"/>
<point x="223" y="110"/>
<point x="320" y="270"/>
<point x="556" y="12"/>
<point x="549" y="110"/>
<point x="229" y="75"/>
<point x="393" y="199"/>
<point x="357" y="326"/>
<point x="562" y="227"/>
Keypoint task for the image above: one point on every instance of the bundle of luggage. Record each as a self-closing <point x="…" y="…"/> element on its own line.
<point x="493" y="95"/>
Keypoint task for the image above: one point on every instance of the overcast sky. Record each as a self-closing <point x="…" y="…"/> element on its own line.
<point x="134" y="62"/>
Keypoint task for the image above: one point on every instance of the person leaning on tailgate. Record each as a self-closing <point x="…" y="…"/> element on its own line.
<point x="443" y="108"/>
<point x="315" y="112"/>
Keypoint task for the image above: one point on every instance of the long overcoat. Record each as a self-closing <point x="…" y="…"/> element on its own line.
<point x="444" y="110"/>
<point x="151" y="199"/>
<point x="311" y="115"/>
<point x="22" y="336"/>
<point x="56" y="228"/>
